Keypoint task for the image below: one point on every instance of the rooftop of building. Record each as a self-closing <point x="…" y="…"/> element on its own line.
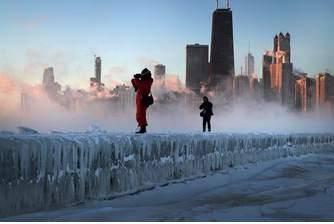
<point x="223" y="10"/>
<point x="160" y="65"/>
<point x="197" y="45"/>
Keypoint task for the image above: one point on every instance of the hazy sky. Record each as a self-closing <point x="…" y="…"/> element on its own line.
<point x="131" y="34"/>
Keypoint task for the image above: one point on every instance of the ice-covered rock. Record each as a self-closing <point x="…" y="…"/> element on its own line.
<point x="26" y="130"/>
<point x="41" y="171"/>
<point x="95" y="128"/>
<point x="7" y="133"/>
<point x="57" y="132"/>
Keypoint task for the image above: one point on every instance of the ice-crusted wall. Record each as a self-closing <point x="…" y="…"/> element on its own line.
<point x="40" y="171"/>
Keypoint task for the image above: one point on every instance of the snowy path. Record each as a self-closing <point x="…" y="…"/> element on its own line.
<point x="285" y="189"/>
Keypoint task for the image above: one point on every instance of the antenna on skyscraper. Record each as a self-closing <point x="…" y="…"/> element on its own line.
<point x="217" y="3"/>
<point x="227" y="4"/>
<point x="249" y="47"/>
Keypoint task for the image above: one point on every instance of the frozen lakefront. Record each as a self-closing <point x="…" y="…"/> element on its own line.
<point x="50" y="171"/>
<point x="288" y="189"/>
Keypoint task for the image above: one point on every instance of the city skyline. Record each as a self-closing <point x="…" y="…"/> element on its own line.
<point x="40" y="34"/>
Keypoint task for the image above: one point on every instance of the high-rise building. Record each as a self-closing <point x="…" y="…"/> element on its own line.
<point x="266" y="76"/>
<point x="282" y="43"/>
<point x="98" y="69"/>
<point x="222" y="50"/>
<point x="280" y="74"/>
<point x="241" y="86"/>
<point x="48" y="76"/>
<point x="125" y="97"/>
<point x="196" y="66"/>
<point x="254" y="86"/>
<point x="249" y="65"/>
<point x="282" y="82"/>
<point x="159" y="72"/>
<point x="324" y="89"/>
<point x="305" y="93"/>
<point x="95" y="82"/>
<point x="50" y="86"/>
<point x="246" y="87"/>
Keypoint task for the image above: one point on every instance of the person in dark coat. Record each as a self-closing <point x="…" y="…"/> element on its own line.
<point x="142" y="84"/>
<point x="206" y="113"/>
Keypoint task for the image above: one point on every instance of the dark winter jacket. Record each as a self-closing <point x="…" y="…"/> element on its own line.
<point x="206" y="108"/>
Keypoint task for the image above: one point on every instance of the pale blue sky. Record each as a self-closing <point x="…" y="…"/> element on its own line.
<point x="131" y="34"/>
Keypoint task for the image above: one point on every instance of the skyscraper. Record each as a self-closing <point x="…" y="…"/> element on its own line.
<point x="283" y="83"/>
<point x="282" y="43"/>
<point x="48" y="76"/>
<point x="50" y="86"/>
<point x="305" y="93"/>
<point x="95" y="82"/>
<point x="266" y="62"/>
<point x="324" y="88"/>
<point x="159" y="72"/>
<point x="249" y="65"/>
<point x="125" y="97"/>
<point x="222" y="51"/>
<point x="196" y="66"/>
<point x="241" y="86"/>
<point x="279" y="81"/>
<point x="98" y="69"/>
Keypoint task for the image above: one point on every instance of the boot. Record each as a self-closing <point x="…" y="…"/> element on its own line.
<point x="142" y="130"/>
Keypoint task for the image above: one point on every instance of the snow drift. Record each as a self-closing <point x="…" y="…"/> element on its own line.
<point x="41" y="171"/>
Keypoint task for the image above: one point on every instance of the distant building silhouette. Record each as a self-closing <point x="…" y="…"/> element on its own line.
<point x="98" y="69"/>
<point x="196" y="66"/>
<point x="125" y="97"/>
<point x="222" y="50"/>
<point x="241" y="86"/>
<point x="246" y="87"/>
<point x="160" y="74"/>
<point x="95" y="82"/>
<point x="249" y="65"/>
<point x="266" y="75"/>
<point x="25" y="102"/>
<point x="255" y="87"/>
<point x="48" y="76"/>
<point x="50" y="86"/>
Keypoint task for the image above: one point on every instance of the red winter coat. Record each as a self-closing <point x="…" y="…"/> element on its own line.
<point x="143" y="88"/>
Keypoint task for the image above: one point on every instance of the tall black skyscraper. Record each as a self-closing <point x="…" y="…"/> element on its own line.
<point x="222" y="51"/>
<point x="196" y="66"/>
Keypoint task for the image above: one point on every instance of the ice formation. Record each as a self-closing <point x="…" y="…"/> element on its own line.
<point x="26" y="130"/>
<point x="39" y="171"/>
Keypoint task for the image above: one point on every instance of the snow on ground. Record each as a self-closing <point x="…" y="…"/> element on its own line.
<point x="286" y="189"/>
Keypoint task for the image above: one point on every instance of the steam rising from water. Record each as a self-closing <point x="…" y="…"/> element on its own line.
<point x="45" y="115"/>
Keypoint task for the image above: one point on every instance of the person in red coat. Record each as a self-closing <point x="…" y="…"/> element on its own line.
<point x="142" y="84"/>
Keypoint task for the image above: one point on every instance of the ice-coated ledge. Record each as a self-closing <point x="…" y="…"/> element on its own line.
<point x="41" y="171"/>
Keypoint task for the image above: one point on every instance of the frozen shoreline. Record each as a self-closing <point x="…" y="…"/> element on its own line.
<point x="286" y="189"/>
<point x="42" y="171"/>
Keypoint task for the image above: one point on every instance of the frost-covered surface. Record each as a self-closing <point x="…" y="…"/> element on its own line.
<point x="288" y="189"/>
<point x="26" y="130"/>
<point x="40" y="171"/>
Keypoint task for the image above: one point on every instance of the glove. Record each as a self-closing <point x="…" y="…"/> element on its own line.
<point x="137" y="76"/>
